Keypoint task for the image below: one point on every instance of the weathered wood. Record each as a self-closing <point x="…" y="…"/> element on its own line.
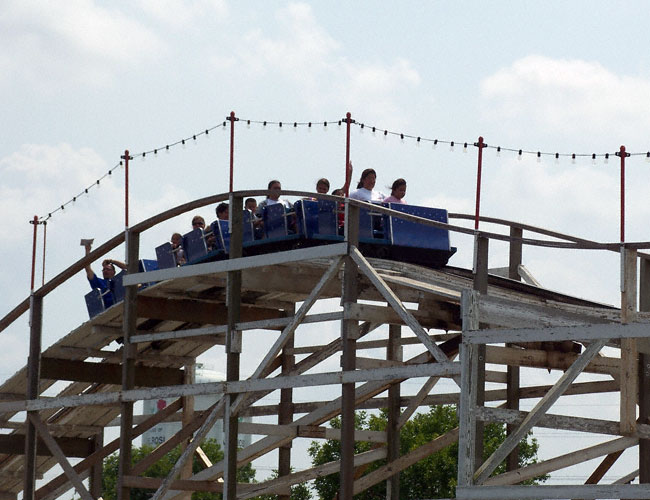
<point x="192" y="311"/>
<point x="14" y="444"/>
<point x="588" y="492"/>
<point x="269" y="487"/>
<point x="548" y="359"/>
<point x="107" y="373"/>
<point x="53" y="488"/>
<point x="393" y="355"/>
<point x="238" y="264"/>
<point x="515" y="252"/>
<point x="468" y="391"/>
<point x="349" y="336"/>
<point x="129" y="353"/>
<point x="603" y="467"/>
<point x="644" y="372"/>
<point x="397" y="305"/>
<point x="308" y="431"/>
<point x="559" y="333"/>
<point x="551" y="421"/>
<point x="480" y="284"/>
<point x="560" y="462"/>
<point x="33" y="382"/>
<point x="538" y="411"/>
<point x="285" y="414"/>
<point x="629" y="354"/>
<point x="60" y="456"/>
<point x="428" y="318"/>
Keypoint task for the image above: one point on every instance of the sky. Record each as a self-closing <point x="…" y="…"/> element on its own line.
<point x="83" y="80"/>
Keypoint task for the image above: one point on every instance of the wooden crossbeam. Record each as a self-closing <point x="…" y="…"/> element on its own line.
<point x="14" y="444"/>
<point x="538" y="411"/>
<point x="60" y="456"/>
<point x="561" y="462"/>
<point x="107" y="373"/>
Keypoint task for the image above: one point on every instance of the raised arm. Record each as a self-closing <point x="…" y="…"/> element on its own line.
<point x="348" y="178"/>
<point x="89" y="272"/>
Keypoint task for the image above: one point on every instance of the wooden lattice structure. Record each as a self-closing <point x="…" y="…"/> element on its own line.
<point x="485" y="319"/>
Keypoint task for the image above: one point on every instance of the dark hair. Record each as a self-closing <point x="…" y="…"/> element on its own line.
<point x="365" y="174"/>
<point x="338" y="192"/>
<point x="398" y="182"/>
<point x="222" y="207"/>
<point x="107" y="262"/>
<point x="323" y="181"/>
<point x="272" y="182"/>
<point x="198" y="218"/>
<point x="250" y="199"/>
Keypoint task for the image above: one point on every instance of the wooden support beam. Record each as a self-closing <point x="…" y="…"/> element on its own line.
<point x="586" y="491"/>
<point x="129" y="353"/>
<point x="480" y="285"/>
<point x="560" y="422"/>
<point x="468" y="391"/>
<point x="561" y="462"/>
<point x="644" y="372"/>
<point x="239" y="263"/>
<point x="96" y="470"/>
<point x="60" y="457"/>
<point x="629" y="352"/>
<point x="428" y="318"/>
<point x="393" y="354"/>
<point x="538" y="411"/>
<point x="14" y="444"/>
<point x="59" y="484"/>
<point x="515" y="253"/>
<point x="193" y="311"/>
<point x="187" y="418"/>
<point x="275" y="485"/>
<point x="603" y="467"/>
<point x="285" y="415"/>
<point x="33" y="382"/>
<point x="107" y="373"/>
<point x="349" y="335"/>
<point x="397" y="305"/>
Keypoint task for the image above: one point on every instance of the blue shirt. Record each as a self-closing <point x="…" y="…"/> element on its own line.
<point x="104" y="287"/>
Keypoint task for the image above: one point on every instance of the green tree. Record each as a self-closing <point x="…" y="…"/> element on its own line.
<point x="433" y="477"/>
<point x="162" y="468"/>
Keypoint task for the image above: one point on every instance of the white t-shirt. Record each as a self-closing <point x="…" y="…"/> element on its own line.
<point x="363" y="194"/>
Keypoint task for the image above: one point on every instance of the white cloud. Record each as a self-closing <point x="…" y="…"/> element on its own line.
<point x="311" y="61"/>
<point x="38" y="178"/>
<point x="180" y="14"/>
<point x="74" y="41"/>
<point x="562" y="96"/>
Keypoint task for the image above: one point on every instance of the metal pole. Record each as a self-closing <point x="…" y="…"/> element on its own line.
<point x="348" y="121"/>
<point x="35" y="223"/>
<point x="126" y="159"/>
<point x="232" y="148"/>
<point x="44" y="247"/>
<point x="623" y="155"/>
<point x="480" y="144"/>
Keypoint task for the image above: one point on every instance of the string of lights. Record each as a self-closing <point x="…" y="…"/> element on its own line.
<point x="363" y="126"/>
<point x="143" y="154"/>
<point x="465" y="144"/>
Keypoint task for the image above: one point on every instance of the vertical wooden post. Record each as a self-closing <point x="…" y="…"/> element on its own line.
<point x="481" y="245"/>
<point x="393" y="353"/>
<point x="232" y="149"/>
<point x="285" y="413"/>
<point x="629" y="356"/>
<point x="189" y="377"/>
<point x="95" y="481"/>
<point x="129" y="352"/>
<point x="233" y="348"/>
<point x="33" y="380"/>
<point x="644" y="373"/>
<point x="622" y="155"/>
<point x="513" y="373"/>
<point x="468" y="391"/>
<point x="349" y="335"/>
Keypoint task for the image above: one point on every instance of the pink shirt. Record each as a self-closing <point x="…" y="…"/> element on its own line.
<point x="392" y="199"/>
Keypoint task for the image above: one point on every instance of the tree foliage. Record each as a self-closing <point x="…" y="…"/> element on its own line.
<point x="162" y="468"/>
<point x="433" y="477"/>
